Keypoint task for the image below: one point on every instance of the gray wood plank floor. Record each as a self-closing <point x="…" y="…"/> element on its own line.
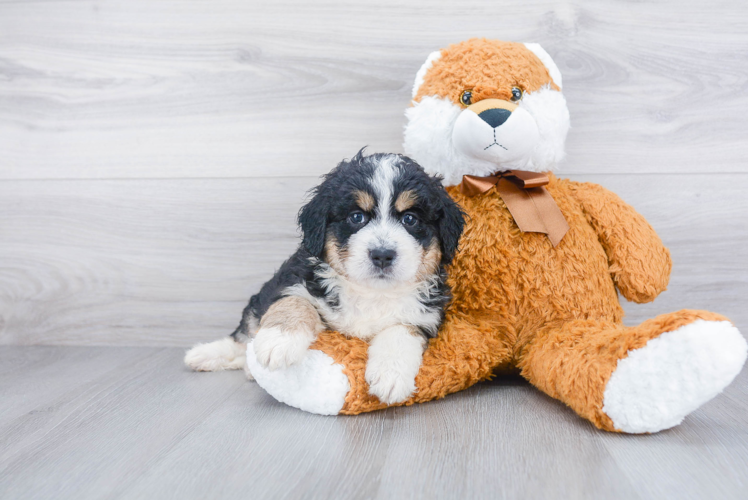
<point x="132" y="422"/>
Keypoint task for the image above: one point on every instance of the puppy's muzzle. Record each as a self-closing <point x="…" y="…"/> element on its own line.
<point x="382" y="257"/>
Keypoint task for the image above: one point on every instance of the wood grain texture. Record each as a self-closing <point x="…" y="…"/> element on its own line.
<point x="230" y="88"/>
<point x="122" y="423"/>
<point x="140" y="256"/>
<point x="173" y="262"/>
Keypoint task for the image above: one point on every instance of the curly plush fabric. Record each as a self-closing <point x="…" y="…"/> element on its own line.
<point x="488" y="68"/>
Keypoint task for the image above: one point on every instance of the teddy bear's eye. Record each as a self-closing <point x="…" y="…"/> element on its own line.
<point x="517" y="94"/>
<point x="466" y="98"/>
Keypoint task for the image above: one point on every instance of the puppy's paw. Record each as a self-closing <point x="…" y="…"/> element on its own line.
<point x="277" y="349"/>
<point x="388" y="384"/>
<point x="395" y="356"/>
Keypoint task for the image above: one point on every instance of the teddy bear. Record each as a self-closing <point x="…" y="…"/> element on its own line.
<point x="539" y="269"/>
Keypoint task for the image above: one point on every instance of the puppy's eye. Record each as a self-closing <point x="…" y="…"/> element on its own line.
<point x="409" y="220"/>
<point x="466" y="98"/>
<point x="358" y="218"/>
<point x="517" y="94"/>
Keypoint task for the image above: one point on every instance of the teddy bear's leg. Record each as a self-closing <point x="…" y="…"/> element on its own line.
<point x="315" y="384"/>
<point x="331" y="377"/>
<point x="639" y="379"/>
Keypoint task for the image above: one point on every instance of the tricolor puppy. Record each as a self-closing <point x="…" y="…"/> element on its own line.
<point x="377" y="235"/>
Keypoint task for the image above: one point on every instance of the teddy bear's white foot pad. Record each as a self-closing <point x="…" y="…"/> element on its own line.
<point x="656" y="386"/>
<point x="315" y="384"/>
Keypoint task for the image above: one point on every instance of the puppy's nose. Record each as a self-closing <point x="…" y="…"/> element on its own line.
<point x="495" y="116"/>
<point x="382" y="257"/>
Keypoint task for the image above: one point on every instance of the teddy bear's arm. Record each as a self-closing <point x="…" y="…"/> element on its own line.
<point x="639" y="262"/>
<point x="466" y="352"/>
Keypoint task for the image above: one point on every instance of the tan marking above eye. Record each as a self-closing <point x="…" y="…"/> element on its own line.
<point x="364" y="200"/>
<point x="405" y="200"/>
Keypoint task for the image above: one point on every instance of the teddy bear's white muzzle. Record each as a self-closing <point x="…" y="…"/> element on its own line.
<point x="497" y="136"/>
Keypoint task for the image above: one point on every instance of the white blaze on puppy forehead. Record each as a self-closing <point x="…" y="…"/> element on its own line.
<point x="382" y="182"/>
<point x="384" y="232"/>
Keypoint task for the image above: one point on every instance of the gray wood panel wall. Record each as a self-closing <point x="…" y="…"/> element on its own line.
<point x="153" y="154"/>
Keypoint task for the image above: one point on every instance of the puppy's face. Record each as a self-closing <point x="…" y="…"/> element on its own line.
<point x="381" y="221"/>
<point x="481" y="106"/>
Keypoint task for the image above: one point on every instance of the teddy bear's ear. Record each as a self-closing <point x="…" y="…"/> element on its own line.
<point x="422" y="72"/>
<point x="545" y="58"/>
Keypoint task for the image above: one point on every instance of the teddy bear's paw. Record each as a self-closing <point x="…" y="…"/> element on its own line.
<point x="656" y="386"/>
<point x="276" y="349"/>
<point x="315" y="384"/>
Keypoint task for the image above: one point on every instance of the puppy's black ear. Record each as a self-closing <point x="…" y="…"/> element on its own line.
<point x="451" y="223"/>
<point x="313" y="222"/>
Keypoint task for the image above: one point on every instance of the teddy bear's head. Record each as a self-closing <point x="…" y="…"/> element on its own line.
<point x="481" y="106"/>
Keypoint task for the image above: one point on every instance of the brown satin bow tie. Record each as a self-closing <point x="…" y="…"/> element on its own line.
<point x="531" y="205"/>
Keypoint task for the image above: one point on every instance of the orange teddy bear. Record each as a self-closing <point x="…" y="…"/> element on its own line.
<point x="540" y="265"/>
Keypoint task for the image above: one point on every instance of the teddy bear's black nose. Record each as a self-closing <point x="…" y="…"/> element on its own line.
<point x="495" y="117"/>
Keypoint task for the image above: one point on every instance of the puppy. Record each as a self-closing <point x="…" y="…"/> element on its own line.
<point x="377" y="235"/>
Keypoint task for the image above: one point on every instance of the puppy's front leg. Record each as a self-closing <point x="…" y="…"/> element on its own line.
<point x="286" y="331"/>
<point x="395" y="357"/>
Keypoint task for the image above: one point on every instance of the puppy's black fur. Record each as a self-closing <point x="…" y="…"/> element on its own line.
<point x="326" y="216"/>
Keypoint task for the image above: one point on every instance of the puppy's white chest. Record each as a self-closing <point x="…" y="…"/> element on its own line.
<point x="364" y="314"/>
